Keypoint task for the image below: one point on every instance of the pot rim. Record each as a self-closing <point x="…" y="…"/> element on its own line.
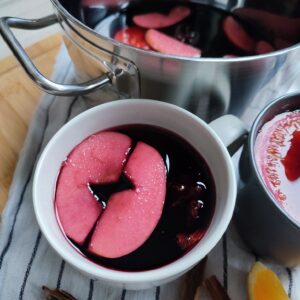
<point x="69" y="16"/>
<point x="251" y="143"/>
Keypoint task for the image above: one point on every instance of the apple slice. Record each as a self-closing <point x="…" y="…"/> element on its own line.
<point x="133" y="36"/>
<point x="263" y="47"/>
<point x="168" y="45"/>
<point x="98" y="159"/>
<point x="238" y="35"/>
<point x="132" y="215"/>
<point x="157" y="20"/>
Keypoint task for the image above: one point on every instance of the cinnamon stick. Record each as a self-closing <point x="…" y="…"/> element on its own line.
<point x="193" y="280"/>
<point x="56" y="294"/>
<point x="215" y="289"/>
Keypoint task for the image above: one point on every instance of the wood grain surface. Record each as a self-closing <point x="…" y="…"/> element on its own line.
<point x="19" y="97"/>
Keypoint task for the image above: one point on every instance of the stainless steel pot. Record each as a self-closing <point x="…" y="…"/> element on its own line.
<point x="209" y="87"/>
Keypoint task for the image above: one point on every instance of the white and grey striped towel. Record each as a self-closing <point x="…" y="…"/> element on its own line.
<point x="27" y="262"/>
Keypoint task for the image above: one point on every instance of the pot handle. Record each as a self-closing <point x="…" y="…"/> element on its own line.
<point x="44" y="83"/>
<point x="231" y="130"/>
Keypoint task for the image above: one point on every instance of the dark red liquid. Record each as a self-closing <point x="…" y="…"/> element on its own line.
<point x="202" y="29"/>
<point x="188" y="208"/>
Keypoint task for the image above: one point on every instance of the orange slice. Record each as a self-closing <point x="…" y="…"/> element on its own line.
<point x="264" y="284"/>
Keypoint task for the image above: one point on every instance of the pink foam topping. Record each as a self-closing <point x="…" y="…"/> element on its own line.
<point x="271" y="148"/>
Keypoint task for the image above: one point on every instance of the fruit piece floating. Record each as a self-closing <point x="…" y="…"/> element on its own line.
<point x="168" y="45"/>
<point x="238" y="36"/>
<point x="157" y="20"/>
<point x="263" y="47"/>
<point x="133" y="36"/>
<point x="264" y="284"/>
<point x="132" y="215"/>
<point x="98" y="159"/>
<point x="291" y="161"/>
<point x="187" y="241"/>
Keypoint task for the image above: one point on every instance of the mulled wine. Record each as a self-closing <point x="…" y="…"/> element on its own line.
<point x="181" y="28"/>
<point x="191" y="28"/>
<point x="155" y="188"/>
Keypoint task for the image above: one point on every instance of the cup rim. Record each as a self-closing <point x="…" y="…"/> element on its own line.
<point x="181" y="264"/>
<point x="251" y="144"/>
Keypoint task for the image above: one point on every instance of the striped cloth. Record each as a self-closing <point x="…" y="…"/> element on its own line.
<point x="27" y="262"/>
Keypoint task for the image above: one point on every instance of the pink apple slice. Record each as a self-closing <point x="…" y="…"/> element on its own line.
<point x="168" y="45"/>
<point x="263" y="47"/>
<point x="132" y="215"/>
<point x="133" y="36"/>
<point x="238" y="36"/>
<point x="157" y="20"/>
<point x="98" y="159"/>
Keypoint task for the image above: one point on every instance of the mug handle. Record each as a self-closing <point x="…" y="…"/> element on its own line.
<point x="231" y="130"/>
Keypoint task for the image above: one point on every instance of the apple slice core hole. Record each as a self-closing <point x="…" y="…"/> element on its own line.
<point x="102" y="192"/>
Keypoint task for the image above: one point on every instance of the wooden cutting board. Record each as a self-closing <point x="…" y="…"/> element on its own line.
<point x="19" y="97"/>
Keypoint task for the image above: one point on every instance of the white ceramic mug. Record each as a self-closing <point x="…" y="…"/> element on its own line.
<point x="201" y="136"/>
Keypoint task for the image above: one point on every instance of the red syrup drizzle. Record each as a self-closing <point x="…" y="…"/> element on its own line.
<point x="291" y="162"/>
